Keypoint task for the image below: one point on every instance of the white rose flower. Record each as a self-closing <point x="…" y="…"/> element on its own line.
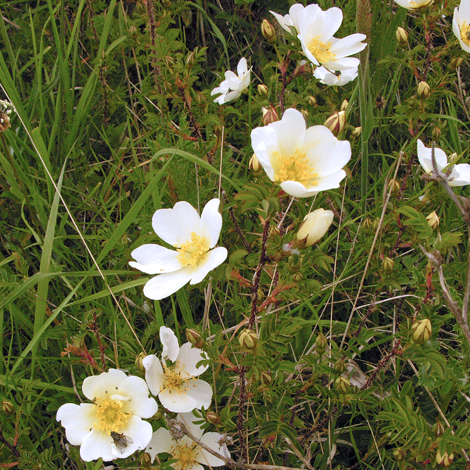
<point x="413" y="5"/>
<point x="303" y="161"/>
<point x="316" y="29"/>
<point x="461" y="24"/>
<point x="187" y="454"/>
<point x="193" y="237"/>
<point x="290" y="19"/>
<point x="233" y="85"/>
<point x="328" y="78"/>
<point x="176" y="384"/>
<point x="111" y="427"/>
<point x="460" y="175"/>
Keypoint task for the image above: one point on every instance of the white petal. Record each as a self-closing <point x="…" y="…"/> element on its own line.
<point x="155" y="259"/>
<point x="201" y="392"/>
<point x="77" y="420"/>
<point x="170" y="344"/>
<point x="139" y="402"/>
<point x="211" y="439"/>
<point x="264" y="143"/>
<point x="154" y="375"/>
<point x="161" y="442"/>
<point x="177" y="402"/>
<point x="210" y="260"/>
<point x="294" y="188"/>
<point x="463" y="178"/>
<point x="425" y="157"/>
<point x="232" y="95"/>
<point x="284" y="21"/>
<point x="136" y="436"/>
<point x="175" y="226"/>
<point x="211" y="222"/>
<point x="294" y="12"/>
<point x="349" y="45"/>
<point x="103" y="385"/>
<point x="327" y="182"/>
<point x="464" y="12"/>
<point x="188" y="357"/>
<point x="242" y="67"/>
<point x="328" y="22"/>
<point x="342" y="63"/>
<point x="97" y="444"/>
<point x="164" y="285"/>
<point x="290" y="132"/>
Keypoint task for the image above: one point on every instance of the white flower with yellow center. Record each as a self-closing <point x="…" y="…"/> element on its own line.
<point x="111" y="427"/>
<point x="316" y="29"/>
<point x="413" y="5"/>
<point x="290" y="19"/>
<point x="175" y="382"/>
<point x="187" y="454"/>
<point x="233" y="85"/>
<point x="461" y="24"/>
<point x="328" y="78"/>
<point x="193" y="237"/>
<point x="302" y="161"/>
<point x="460" y="175"/>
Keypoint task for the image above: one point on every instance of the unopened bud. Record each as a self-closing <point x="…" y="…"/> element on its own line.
<point x="132" y="30"/>
<point x="195" y="338"/>
<point x="393" y="187"/>
<point x="344" y="105"/>
<point x="263" y="90"/>
<point x="356" y="132"/>
<point x="320" y="344"/>
<point x="421" y="331"/>
<point x="433" y="220"/>
<point x="7" y="406"/>
<point x="139" y="362"/>
<point x="402" y="36"/>
<point x="270" y="115"/>
<point x="387" y="264"/>
<point x="399" y="454"/>
<point x="255" y="165"/>
<point x="304" y="113"/>
<point x="455" y="63"/>
<point x="336" y="122"/>
<point x="445" y="459"/>
<point x="423" y="90"/>
<point x="367" y="224"/>
<point x="213" y="417"/>
<point x="436" y="132"/>
<point x="453" y="158"/>
<point x="248" y="339"/>
<point x="169" y="60"/>
<point x="342" y="384"/>
<point x="274" y="231"/>
<point x="311" y="100"/>
<point x="314" y="226"/>
<point x="268" y="31"/>
<point x="297" y="277"/>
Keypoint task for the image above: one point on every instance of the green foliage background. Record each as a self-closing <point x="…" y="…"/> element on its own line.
<point x="115" y="120"/>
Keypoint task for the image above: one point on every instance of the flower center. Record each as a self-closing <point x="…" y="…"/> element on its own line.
<point x="110" y="417"/>
<point x="176" y="379"/>
<point x="320" y="50"/>
<point x="465" y="33"/>
<point x="191" y="253"/>
<point x="185" y="455"/>
<point x="295" y="167"/>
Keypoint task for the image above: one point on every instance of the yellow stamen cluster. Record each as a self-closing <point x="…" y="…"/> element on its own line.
<point x="191" y="252"/>
<point x="110" y="417"/>
<point x="185" y="455"/>
<point x="295" y="167"/>
<point x="176" y="379"/>
<point x="320" y="50"/>
<point x="465" y="33"/>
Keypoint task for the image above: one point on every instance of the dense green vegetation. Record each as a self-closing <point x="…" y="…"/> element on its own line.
<point x="114" y="119"/>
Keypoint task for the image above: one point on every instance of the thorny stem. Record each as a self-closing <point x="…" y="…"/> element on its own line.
<point x="239" y="231"/>
<point x="181" y="428"/>
<point x="13" y="449"/>
<point x="153" y="35"/>
<point x="98" y="339"/>
<point x="241" y="418"/>
<point x="257" y="276"/>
